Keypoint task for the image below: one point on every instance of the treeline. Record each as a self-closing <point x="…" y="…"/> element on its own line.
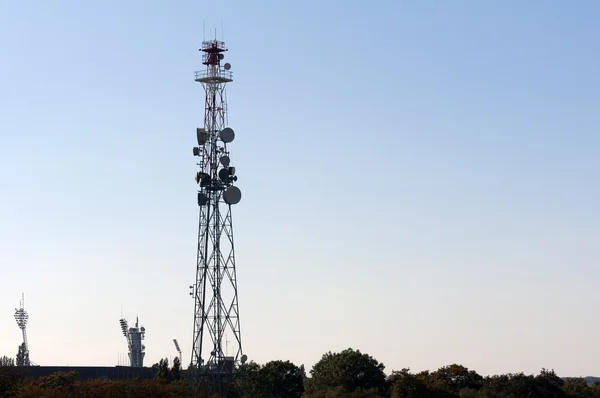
<point x="349" y="373"/>
<point x="21" y="360"/>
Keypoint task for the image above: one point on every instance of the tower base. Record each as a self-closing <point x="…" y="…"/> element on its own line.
<point x="222" y="382"/>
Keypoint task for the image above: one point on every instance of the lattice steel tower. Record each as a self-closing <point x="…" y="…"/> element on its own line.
<point x="216" y="310"/>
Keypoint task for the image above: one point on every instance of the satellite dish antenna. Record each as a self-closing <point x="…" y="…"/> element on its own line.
<point x="221" y="56"/>
<point x="227" y="135"/>
<point x="224" y="175"/>
<point x="227" y="66"/>
<point x="232" y="195"/>
<point x="244" y="358"/>
<point x="202" y="178"/>
<point x="225" y="160"/>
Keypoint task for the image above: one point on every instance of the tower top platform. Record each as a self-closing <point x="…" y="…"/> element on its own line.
<point x="219" y="75"/>
<point x="213" y="46"/>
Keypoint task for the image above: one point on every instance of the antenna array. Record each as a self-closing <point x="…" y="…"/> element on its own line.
<point x="215" y="291"/>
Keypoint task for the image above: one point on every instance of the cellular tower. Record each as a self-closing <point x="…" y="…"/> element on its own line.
<point x="215" y="292"/>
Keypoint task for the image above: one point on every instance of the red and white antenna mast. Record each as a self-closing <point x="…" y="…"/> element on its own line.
<point x="215" y="291"/>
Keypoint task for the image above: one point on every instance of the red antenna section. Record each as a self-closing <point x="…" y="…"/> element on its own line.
<point x="212" y="56"/>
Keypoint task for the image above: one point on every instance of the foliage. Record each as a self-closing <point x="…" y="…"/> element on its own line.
<point x="176" y="369"/>
<point x="403" y="384"/>
<point x="22" y="355"/>
<point x="10" y="379"/>
<point x="457" y="381"/>
<point x="348" y="374"/>
<point x="578" y="388"/>
<point x="454" y="378"/>
<point x="6" y="361"/>
<point x="341" y="392"/>
<point x="64" y="385"/>
<point x="350" y="369"/>
<point x="163" y="369"/>
<point x="275" y="379"/>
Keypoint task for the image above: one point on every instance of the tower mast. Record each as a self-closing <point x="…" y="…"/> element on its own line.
<point x="21" y="316"/>
<point x="136" y="349"/>
<point x="216" y="309"/>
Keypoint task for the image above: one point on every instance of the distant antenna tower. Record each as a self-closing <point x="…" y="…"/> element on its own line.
<point x="21" y="316"/>
<point x="216" y="308"/>
<point x="134" y="336"/>
<point x="178" y="349"/>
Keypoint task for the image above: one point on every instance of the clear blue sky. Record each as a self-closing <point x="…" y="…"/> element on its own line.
<point x="420" y="179"/>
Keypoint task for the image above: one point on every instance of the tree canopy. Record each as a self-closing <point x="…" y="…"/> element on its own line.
<point x="22" y="356"/>
<point x="274" y="379"/>
<point x="349" y="370"/>
<point x="346" y="374"/>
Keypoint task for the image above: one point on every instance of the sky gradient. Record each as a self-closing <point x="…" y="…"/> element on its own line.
<point x="419" y="178"/>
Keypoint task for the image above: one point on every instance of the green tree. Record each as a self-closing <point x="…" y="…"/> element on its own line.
<point x="595" y="389"/>
<point x="454" y="378"/>
<point x="11" y="378"/>
<point x="176" y="369"/>
<point x="549" y="384"/>
<point x="163" y="369"/>
<point x="577" y="387"/>
<point x="59" y="384"/>
<point x="469" y="393"/>
<point x="340" y="392"/>
<point x="404" y="384"/>
<point x="281" y="379"/>
<point x="22" y="356"/>
<point x="251" y="380"/>
<point x="516" y="385"/>
<point x="350" y="369"/>
<point x="6" y="361"/>
<point x="274" y="379"/>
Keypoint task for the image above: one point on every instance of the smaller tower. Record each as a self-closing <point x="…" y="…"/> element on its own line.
<point x="134" y="336"/>
<point x="21" y="316"/>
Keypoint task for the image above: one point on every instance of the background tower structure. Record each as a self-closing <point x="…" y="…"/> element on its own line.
<point x="178" y="350"/>
<point x="215" y="292"/>
<point x="21" y="316"/>
<point x="135" y="348"/>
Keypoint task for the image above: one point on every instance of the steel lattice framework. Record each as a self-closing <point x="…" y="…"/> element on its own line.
<point x="216" y="311"/>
